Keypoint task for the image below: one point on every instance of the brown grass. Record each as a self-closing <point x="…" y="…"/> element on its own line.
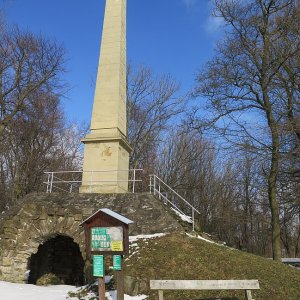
<point x="177" y="256"/>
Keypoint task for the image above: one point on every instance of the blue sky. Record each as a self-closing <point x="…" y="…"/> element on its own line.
<point x="170" y="36"/>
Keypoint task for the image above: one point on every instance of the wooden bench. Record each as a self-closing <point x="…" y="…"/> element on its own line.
<point x="246" y="285"/>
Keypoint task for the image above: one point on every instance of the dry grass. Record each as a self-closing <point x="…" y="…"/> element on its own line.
<point x="177" y="256"/>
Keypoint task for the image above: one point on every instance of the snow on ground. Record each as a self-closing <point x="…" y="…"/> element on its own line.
<point x="135" y="238"/>
<point x="16" y="291"/>
<point x="134" y="247"/>
<point x="182" y="216"/>
<point x="112" y="296"/>
<point x="204" y="239"/>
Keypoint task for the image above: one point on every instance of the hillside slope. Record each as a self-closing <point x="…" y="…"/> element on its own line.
<point x="179" y="256"/>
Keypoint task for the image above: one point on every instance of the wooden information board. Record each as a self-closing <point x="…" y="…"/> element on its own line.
<point x="107" y="233"/>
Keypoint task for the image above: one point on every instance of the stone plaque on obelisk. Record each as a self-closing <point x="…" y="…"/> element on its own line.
<point x="106" y="150"/>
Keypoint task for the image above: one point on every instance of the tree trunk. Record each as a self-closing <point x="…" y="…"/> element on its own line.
<point x="275" y="144"/>
<point x="276" y="241"/>
<point x="272" y="179"/>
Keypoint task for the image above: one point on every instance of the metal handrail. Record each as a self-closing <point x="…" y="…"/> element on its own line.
<point x="156" y="186"/>
<point x="94" y="171"/>
<point x="173" y="191"/>
<point x="176" y="207"/>
<point x="53" y="179"/>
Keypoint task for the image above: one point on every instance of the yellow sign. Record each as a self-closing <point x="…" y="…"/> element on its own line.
<point x="116" y="246"/>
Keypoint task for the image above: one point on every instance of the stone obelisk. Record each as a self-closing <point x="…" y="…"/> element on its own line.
<point x="106" y="150"/>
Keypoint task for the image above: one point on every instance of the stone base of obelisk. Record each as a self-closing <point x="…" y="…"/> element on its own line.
<point x="103" y="189"/>
<point x="105" y="167"/>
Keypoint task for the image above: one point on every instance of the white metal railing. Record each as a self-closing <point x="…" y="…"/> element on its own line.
<point x="164" y="192"/>
<point x="70" y="181"/>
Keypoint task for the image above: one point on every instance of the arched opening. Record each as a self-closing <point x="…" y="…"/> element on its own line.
<point x="60" y="257"/>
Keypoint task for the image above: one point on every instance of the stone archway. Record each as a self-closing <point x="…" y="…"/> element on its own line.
<point x="41" y="217"/>
<point x="59" y="256"/>
<point x="33" y="226"/>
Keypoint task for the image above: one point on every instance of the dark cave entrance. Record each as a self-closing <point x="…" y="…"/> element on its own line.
<point x="60" y="257"/>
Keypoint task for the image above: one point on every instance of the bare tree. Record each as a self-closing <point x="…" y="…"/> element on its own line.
<point x="152" y="104"/>
<point x="33" y="131"/>
<point x="189" y="164"/>
<point x="37" y="140"/>
<point x="28" y="64"/>
<point x="240" y="84"/>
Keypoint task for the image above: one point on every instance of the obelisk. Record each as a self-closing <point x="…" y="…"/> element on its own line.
<point x="106" y="150"/>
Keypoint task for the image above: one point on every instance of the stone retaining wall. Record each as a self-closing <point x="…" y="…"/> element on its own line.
<point x="40" y="217"/>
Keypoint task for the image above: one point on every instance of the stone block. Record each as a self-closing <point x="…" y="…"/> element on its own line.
<point x="88" y="211"/>
<point x="6" y="270"/>
<point x="6" y="261"/>
<point x="10" y="236"/>
<point x="61" y="212"/>
<point x="9" y="224"/>
<point x="51" y="211"/>
<point x="43" y="216"/>
<point x="10" y="230"/>
<point x="29" y="210"/>
<point x="134" y="286"/>
<point x="78" y="217"/>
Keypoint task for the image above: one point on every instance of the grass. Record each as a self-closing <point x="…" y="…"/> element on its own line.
<point x="177" y="256"/>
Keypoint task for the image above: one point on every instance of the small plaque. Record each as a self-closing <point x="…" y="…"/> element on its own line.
<point x="117" y="246"/>
<point x="98" y="266"/>
<point x="117" y="265"/>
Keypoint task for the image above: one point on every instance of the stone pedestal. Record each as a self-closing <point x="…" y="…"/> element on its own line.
<point x="105" y="164"/>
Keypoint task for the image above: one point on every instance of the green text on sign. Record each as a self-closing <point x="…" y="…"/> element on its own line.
<point x="99" y="231"/>
<point x="100" y="239"/>
<point x="117" y="262"/>
<point x="107" y="239"/>
<point x="98" y="266"/>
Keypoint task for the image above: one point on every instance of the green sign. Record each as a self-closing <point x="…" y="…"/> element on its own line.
<point x="100" y="239"/>
<point x="117" y="262"/>
<point x="107" y="239"/>
<point x="99" y="231"/>
<point x="98" y="266"/>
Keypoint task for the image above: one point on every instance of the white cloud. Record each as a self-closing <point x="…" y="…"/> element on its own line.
<point x="213" y="24"/>
<point x="189" y="3"/>
<point x="203" y="8"/>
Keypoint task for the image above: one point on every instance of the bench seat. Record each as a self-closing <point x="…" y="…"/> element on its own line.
<point x="246" y="285"/>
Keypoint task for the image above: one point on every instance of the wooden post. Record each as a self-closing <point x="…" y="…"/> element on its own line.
<point x="120" y="282"/>
<point x="101" y="288"/>
<point x="160" y="295"/>
<point x="248" y="295"/>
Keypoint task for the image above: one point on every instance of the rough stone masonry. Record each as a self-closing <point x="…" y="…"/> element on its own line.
<point x="42" y="217"/>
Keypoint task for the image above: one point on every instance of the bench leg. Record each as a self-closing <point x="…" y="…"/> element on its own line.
<point x="248" y="295"/>
<point x="160" y="295"/>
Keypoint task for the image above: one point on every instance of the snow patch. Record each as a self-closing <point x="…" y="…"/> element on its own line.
<point x="204" y="239"/>
<point x="135" y="238"/>
<point x="112" y="295"/>
<point x="14" y="291"/>
<point x="183" y="217"/>
<point x="134" y="247"/>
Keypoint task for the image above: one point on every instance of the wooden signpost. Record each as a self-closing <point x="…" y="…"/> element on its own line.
<point x="107" y="233"/>
<point x="98" y="271"/>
